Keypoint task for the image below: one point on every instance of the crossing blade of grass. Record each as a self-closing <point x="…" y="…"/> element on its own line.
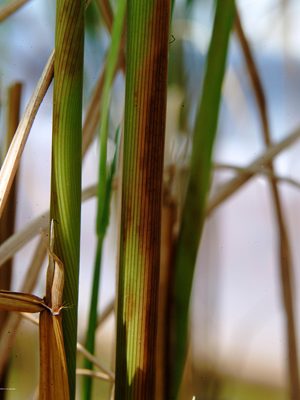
<point x="20" y="238"/>
<point x="107" y="311"/>
<point x="199" y="179"/>
<point x="21" y="302"/>
<point x="266" y="171"/>
<point x="65" y="200"/>
<point x="285" y="261"/>
<point x="234" y="184"/>
<point x="106" y="13"/>
<point x="93" y="374"/>
<point x="80" y="349"/>
<point x="10" y="8"/>
<point x="94" y="361"/>
<point x="13" y="320"/>
<point x="12" y="159"/>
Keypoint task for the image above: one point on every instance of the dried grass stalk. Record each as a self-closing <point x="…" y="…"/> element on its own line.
<point x="10" y="8"/>
<point x="12" y="159"/>
<point x="53" y="366"/>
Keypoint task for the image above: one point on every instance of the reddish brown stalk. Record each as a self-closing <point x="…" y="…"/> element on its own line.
<point x="8" y="218"/>
<point x="7" y="222"/>
<point x="284" y="247"/>
<point x="169" y="217"/>
<point x="106" y="13"/>
<point x="12" y="322"/>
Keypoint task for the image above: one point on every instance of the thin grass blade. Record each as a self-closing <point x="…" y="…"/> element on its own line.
<point x="199" y="180"/>
<point x="12" y="159"/>
<point x="102" y="225"/>
<point x="10" y="8"/>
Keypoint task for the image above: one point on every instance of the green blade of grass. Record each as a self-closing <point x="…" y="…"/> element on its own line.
<point x="66" y="161"/>
<point x="102" y="225"/>
<point x="105" y="183"/>
<point x="199" y="179"/>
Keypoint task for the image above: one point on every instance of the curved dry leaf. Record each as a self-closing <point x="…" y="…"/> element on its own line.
<point x="93" y="374"/>
<point x="10" y="8"/>
<point x="12" y="159"/>
<point x="21" y="302"/>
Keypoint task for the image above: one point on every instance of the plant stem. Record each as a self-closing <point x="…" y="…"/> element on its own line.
<point x="145" y="111"/>
<point x="65" y="206"/>
<point x="199" y="181"/>
<point x="7" y="222"/>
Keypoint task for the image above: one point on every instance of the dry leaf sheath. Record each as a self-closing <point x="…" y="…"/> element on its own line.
<point x="53" y="367"/>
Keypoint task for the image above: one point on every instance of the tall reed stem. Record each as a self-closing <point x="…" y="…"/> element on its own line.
<point x="66" y="161"/>
<point x="145" y="111"/>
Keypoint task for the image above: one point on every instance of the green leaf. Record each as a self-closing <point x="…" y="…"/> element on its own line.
<point x="199" y="180"/>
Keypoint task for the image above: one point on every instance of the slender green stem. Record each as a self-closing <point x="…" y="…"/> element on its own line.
<point x="92" y="324"/>
<point x="199" y="179"/>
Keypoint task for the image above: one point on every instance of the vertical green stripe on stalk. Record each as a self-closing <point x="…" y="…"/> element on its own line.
<point x="145" y="111"/>
<point x="199" y="179"/>
<point x="66" y="161"/>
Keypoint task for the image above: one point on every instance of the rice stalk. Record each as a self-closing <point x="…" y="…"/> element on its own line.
<point x="145" y="111"/>
<point x="13" y="320"/>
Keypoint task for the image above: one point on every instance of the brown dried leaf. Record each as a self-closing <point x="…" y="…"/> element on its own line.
<point x="21" y="302"/>
<point x="53" y="366"/>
